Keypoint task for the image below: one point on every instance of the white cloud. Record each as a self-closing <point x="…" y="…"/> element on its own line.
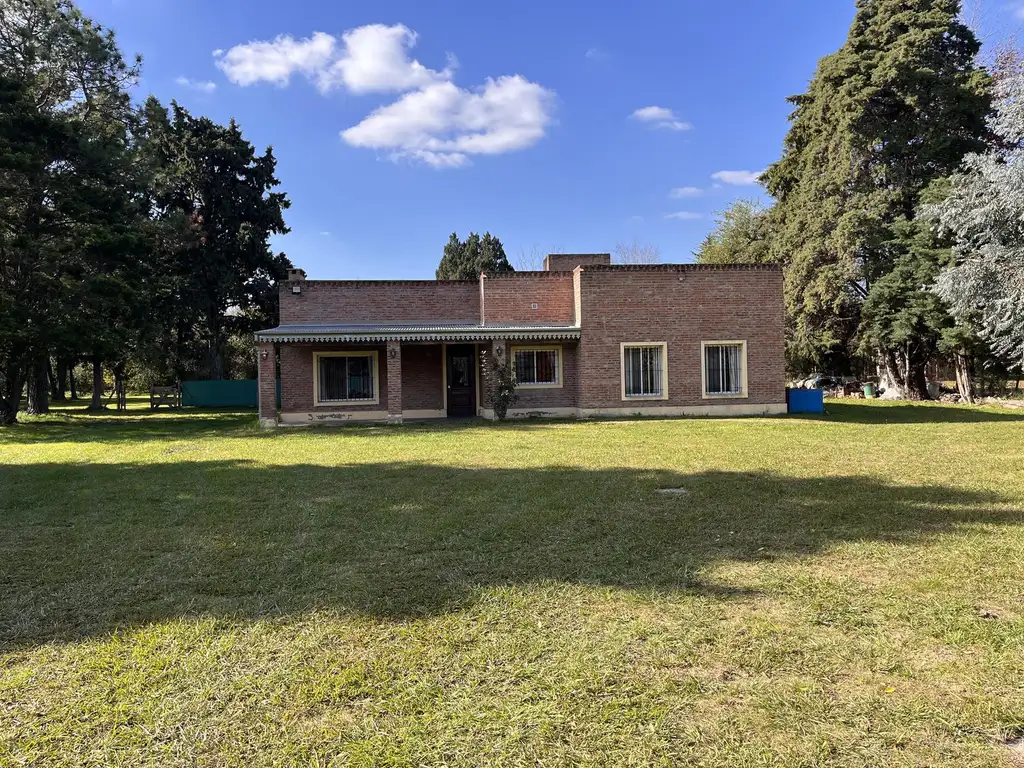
<point x="375" y="59"/>
<point x="203" y="86"/>
<point x="596" y="54"/>
<point x="737" y="178"/>
<point x="679" y="192"/>
<point x="435" y="121"/>
<point x="442" y="124"/>
<point x="368" y="59"/>
<point x="660" y="117"/>
<point x="276" y="61"/>
<point x="685" y="215"/>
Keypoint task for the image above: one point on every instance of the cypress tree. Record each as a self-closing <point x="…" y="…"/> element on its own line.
<point x="894" y="109"/>
<point x="465" y="260"/>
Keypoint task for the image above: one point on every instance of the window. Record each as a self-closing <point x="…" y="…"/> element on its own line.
<point x="644" y="372"/>
<point x="346" y="377"/>
<point x="725" y="369"/>
<point x="537" y="366"/>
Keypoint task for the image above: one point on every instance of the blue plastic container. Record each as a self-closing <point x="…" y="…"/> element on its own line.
<point x="806" y="401"/>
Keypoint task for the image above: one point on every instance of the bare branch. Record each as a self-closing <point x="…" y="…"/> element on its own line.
<point x="636" y="253"/>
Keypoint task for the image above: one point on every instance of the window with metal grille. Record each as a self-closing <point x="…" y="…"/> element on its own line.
<point x="346" y="377"/>
<point x="536" y="367"/>
<point x="723" y="369"/>
<point x="643" y="370"/>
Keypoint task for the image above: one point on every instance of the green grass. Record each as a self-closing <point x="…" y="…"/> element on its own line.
<point x="182" y="589"/>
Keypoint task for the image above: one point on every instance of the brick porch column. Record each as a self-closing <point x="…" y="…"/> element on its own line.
<point x="394" y="356"/>
<point x="267" y="384"/>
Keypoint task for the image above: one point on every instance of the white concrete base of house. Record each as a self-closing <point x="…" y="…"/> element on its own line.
<point x="731" y="409"/>
<point x="343" y="417"/>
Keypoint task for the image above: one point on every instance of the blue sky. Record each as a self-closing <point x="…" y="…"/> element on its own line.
<point x="554" y="125"/>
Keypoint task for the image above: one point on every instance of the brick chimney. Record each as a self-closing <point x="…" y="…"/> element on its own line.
<point x="296" y="274"/>
<point x="567" y="262"/>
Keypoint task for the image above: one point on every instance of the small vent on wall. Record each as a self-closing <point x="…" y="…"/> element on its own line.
<point x="534" y="305"/>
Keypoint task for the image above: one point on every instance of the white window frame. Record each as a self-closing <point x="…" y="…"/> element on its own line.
<point x="664" y="369"/>
<point x="375" y="363"/>
<point x="543" y="348"/>
<point x="742" y="344"/>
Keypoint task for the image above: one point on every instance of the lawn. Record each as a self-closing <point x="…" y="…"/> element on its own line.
<point x="183" y="589"/>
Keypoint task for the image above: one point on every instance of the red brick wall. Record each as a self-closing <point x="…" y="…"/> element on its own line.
<point x="398" y="301"/>
<point x="565" y="397"/>
<point x="567" y="262"/>
<point x="297" y="378"/>
<point x="422" y="377"/>
<point x="510" y="298"/>
<point x="682" y="305"/>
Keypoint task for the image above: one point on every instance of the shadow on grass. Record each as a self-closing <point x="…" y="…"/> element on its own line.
<point x="70" y="425"/>
<point x="88" y="549"/>
<point x="855" y="412"/>
<point x="78" y="425"/>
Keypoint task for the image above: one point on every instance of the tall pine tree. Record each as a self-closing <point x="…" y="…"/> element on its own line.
<point x="465" y="260"/>
<point x="897" y="107"/>
<point x="64" y="191"/>
<point x="216" y="201"/>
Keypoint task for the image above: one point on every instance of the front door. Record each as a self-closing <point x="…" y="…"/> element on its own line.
<point x="461" y="373"/>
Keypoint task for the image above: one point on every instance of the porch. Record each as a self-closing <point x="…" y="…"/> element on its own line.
<point x="337" y="374"/>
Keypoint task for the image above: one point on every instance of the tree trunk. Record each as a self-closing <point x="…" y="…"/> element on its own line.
<point x="964" y="380"/>
<point x="902" y="378"/>
<point x="217" y="344"/>
<point x="72" y="384"/>
<point x="119" y="392"/>
<point x="216" y="364"/>
<point x="10" y="398"/>
<point x="39" y="387"/>
<point x="917" y="382"/>
<point x="51" y="379"/>
<point x="60" y="381"/>
<point x="97" y="384"/>
<point x="892" y="380"/>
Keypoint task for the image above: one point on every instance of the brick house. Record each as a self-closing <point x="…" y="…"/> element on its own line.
<point x="584" y="337"/>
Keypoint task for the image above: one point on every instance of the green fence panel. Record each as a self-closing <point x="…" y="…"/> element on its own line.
<point x="219" y="394"/>
<point x="223" y="394"/>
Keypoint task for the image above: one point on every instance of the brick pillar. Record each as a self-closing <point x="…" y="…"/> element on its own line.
<point x="267" y="385"/>
<point x="394" y="356"/>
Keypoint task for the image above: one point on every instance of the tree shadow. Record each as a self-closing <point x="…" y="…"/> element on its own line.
<point x="80" y="426"/>
<point x="76" y="425"/>
<point x="193" y="424"/>
<point x="92" y="548"/>
<point x="911" y="413"/>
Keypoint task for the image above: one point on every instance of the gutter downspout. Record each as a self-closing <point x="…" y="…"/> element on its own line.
<point x="483" y="313"/>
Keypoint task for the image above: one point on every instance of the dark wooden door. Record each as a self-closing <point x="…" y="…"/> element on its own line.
<point x="461" y="367"/>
